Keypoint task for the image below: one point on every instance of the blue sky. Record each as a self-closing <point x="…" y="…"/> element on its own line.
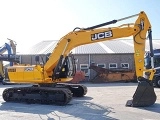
<point x="31" y="21"/>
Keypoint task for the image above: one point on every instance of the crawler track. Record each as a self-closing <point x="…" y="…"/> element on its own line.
<point x="78" y="90"/>
<point x="40" y="95"/>
<point x="60" y="94"/>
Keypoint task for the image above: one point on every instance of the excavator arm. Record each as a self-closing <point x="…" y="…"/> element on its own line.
<point x="94" y="34"/>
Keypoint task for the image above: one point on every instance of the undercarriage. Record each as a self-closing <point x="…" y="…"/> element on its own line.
<point x="59" y="94"/>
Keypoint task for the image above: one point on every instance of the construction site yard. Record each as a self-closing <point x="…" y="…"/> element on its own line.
<point x="104" y="101"/>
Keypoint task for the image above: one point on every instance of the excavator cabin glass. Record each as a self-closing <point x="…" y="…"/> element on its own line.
<point x="68" y="68"/>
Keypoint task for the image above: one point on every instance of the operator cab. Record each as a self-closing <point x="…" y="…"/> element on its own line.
<point x="65" y="67"/>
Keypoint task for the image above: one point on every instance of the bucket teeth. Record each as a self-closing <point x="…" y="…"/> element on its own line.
<point x="143" y="96"/>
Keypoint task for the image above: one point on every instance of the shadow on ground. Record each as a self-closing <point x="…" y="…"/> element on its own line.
<point x="154" y="108"/>
<point x="80" y="108"/>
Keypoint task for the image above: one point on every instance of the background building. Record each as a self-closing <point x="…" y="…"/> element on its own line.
<point x="108" y="54"/>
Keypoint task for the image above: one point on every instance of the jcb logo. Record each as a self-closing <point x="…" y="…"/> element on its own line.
<point x="28" y="69"/>
<point x="102" y="35"/>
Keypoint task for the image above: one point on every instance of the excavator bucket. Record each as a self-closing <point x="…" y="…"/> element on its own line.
<point x="143" y="96"/>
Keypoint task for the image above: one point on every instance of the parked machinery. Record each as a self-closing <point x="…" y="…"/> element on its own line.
<point x="11" y="57"/>
<point x="112" y="75"/>
<point x="156" y="52"/>
<point x="50" y="78"/>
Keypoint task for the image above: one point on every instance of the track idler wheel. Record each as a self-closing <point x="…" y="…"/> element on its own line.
<point x="144" y="94"/>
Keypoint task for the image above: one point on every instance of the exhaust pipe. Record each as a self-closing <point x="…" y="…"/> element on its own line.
<point x="144" y="95"/>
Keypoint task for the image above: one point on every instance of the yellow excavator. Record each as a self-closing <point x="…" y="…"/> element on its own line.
<point x="49" y="80"/>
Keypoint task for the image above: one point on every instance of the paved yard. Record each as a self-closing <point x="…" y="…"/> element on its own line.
<point x="102" y="102"/>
